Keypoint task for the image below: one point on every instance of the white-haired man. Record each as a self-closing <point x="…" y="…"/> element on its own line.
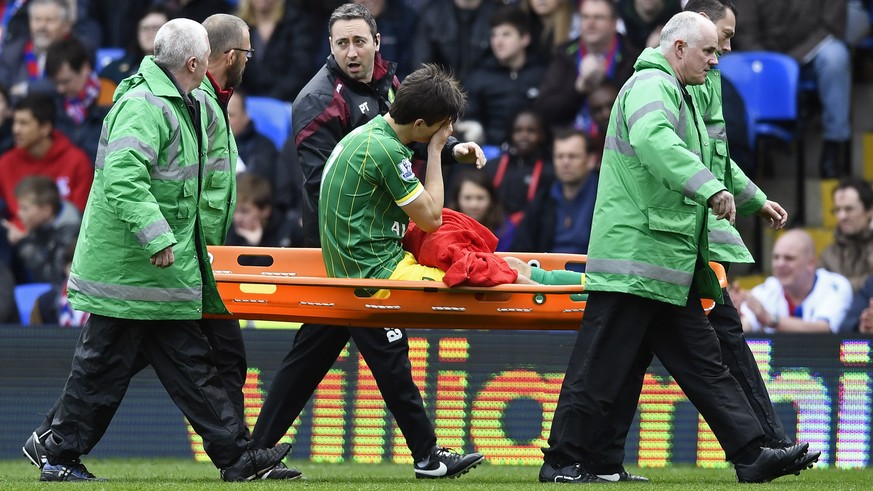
<point x="141" y="270"/>
<point x="648" y="268"/>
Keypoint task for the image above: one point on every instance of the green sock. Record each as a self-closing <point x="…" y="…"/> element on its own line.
<point x="556" y="277"/>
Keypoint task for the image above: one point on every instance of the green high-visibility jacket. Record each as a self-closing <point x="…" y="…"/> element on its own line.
<point x="725" y="243"/>
<point x="219" y="182"/>
<point x="649" y="236"/>
<point x="145" y="198"/>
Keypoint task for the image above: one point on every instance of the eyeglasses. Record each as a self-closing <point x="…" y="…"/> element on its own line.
<point x="249" y="52"/>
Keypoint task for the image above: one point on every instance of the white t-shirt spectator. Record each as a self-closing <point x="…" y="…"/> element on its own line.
<point x="828" y="301"/>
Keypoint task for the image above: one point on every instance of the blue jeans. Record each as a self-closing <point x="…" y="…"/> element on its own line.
<point x="833" y="76"/>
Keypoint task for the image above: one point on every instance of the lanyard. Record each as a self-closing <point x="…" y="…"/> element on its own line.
<point x="534" y="179"/>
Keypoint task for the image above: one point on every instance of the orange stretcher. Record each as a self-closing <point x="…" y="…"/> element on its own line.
<point x="290" y="284"/>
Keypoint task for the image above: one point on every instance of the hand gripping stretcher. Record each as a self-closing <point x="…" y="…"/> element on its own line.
<point x="290" y="284"/>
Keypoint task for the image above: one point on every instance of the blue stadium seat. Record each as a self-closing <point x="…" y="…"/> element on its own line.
<point x="105" y="56"/>
<point x="491" y="151"/>
<point x="769" y="84"/>
<point x="25" y="298"/>
<point x="271" y="117"/>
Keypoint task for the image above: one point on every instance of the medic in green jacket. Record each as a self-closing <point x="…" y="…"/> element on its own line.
<point x="144" y="199"/>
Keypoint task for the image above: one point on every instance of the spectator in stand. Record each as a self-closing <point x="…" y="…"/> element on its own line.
<point x="859" y="317"/>
<point x="397" y="25"/>
<point x="85" y="98"/>
<point x="559" y="219"/>
<point x="22" y="62"/>
<point x="53" y="306"/>
<point x="41" y="149"/>
<point x="474" y="195"/>
<point x="811" y="33"/>
<point x="505" y="82"/>
<point x="118" y="20"/>
<point x="143" y="45"/>
<point x="798" y="297"/>
<point x="257" y="153"/>
<point x="16" y="21"/>
<point x="50" y="227"/>
<point x="643" y="19"/>
<point x="5" y="120"/>
<point x="454" y="34"/>
<point x="551" y="26"/>
<point x="282" y="36"/>
<point x="525" y="166"/>
<point x="254" y="221"/>
<point x="600" y="102"/>
<point x="599" y="54"/>
<point x="851" y="254"/>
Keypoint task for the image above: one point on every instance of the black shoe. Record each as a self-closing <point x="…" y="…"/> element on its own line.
<point x="771" y="463"/>
<point x="773" y="443"/>
<point x="571" y="473"/>
<point x="803" y="463"/>
<point x="623" y="476"/>
<point x="67" y="471"/>
<point x="255" y="463"/>
<point x="443" y="462"/>
<point x="34" y="449"/>
<point x="835" y="160"/>
<point x="281" y="471"/>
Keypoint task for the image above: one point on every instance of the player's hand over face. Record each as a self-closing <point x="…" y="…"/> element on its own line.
<point x="438" y="139"/>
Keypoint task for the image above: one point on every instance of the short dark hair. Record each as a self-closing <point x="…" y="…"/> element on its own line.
<point x="862" y="187"/>
<point x="714" y="9"/>
<point x="69" y="50"/>
<point x="570" y="132"/>
<point x="254" y="188"/>
<point x="352" y="11"/>
<point x="613" y="6"/>
<point x="43" y="189"/>
<point x="42" y="107"/>
<point x="225" y="32"/>
<point x="430" y="94"/>
<point x="512" y="16"/>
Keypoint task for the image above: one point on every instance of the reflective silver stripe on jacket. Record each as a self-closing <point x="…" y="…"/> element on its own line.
<point x="697" y="181"/>
<point x="725" y="237"/>
<point x="636" y="268"/>
<point x="176" y="170"/>
<point x="134" y="293"/>
<point x="620" y="146"/>
<point x="213" y="164"/>
<point x="717" y="132"/>
<point x="152" y="231"/>
<point x="747" y="194"/>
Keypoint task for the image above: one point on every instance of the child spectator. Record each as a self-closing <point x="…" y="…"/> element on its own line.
<point x="50" y="226"/>
<point x="53" y="307"/>
<point x="474" y="195"/>
<point x="507" y="81"/>
<point x="42" y="150"/>
<point x="524" y="167"/>
<point x="254" y="223"/>
<point x="85" y="97"/>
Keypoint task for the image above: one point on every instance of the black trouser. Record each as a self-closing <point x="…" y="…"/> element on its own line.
<point x="315" y="349"/>
<point x="617" y="331"/>
<point x="229" y="357"/>
<point x="736" y="355"/>
<point x="103" y="365"/>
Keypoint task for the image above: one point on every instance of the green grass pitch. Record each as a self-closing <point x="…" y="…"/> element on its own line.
<point x="177" y="475"/>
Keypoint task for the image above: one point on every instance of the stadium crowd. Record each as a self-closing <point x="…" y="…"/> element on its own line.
<point x="541" y="77"/>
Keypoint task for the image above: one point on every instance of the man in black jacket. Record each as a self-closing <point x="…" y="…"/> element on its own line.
<point x="353" y="87"/>
<point x="559" y="218"/>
